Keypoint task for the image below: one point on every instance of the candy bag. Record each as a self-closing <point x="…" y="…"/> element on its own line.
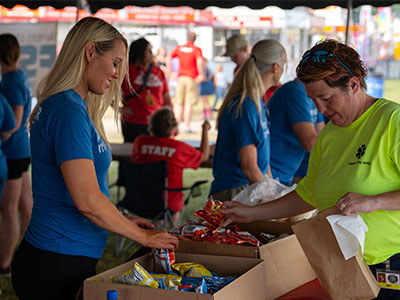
<point x="137" y="275"/>
<point x="165" y="258"/>
<point x="191" y="269"/>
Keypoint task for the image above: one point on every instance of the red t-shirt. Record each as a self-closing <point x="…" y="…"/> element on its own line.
<point x="178" y="155"/>
<point x="150" y="99"/>
<point x="268" y="94"/>
<point x="187" y="55"/>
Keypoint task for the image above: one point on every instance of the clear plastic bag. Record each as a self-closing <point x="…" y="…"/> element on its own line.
<point x="266" y="190"/>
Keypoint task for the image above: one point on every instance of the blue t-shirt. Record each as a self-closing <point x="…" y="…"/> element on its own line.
<point x="234" y="133"/>
<point x="302" y="170"/>
<point x="288" y="105"/>
<point x="17" y="88"/>
<point x="62" y="130"/>
<point x="7" y="122"/>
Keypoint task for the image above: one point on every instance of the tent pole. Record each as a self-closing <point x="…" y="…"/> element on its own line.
<point x="349" y="15"/>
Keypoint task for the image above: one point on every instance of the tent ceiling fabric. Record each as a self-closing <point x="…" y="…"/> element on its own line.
<point x="198" y="4"/>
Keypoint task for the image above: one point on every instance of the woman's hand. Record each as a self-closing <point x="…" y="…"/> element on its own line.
<point x="352" y="203"/>
<point x="160" y="239"/>
<point x="236" y="212"/>
<point x="141" y="222"/>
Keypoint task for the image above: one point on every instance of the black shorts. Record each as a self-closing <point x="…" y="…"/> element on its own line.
<point x="17" y="166"/>
<point x="41" y="274"/>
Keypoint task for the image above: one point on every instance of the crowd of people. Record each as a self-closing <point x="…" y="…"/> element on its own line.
<point x="264" y="129"/>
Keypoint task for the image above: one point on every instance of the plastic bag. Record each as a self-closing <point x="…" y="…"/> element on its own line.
<point x="266" y="190"/>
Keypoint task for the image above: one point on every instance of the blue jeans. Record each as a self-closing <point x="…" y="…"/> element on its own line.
<point x="219" y="93"/>
<point x="386" y="294"/>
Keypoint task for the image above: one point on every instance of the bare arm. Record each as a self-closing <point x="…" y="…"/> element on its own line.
<point x="289" y="205"/>
<point x="80" y="178"/>
<point x="18" y="111"/>
<point x="167" y="100"/>
<point x="306" y="134"/>
<point x="319" y="126"/>
<point x="352" y="203"/>
<point x="204" y="145"/>
<point x="200" y="68"/>
<point x="248" y="163"/>
<point x="5" y="135"/>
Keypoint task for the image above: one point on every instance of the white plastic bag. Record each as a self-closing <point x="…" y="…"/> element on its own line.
<point x="266" y="190"/>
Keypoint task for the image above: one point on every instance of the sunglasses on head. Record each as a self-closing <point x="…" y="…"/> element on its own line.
<point x="320" y="56"/>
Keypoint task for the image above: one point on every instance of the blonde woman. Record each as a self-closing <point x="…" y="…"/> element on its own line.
<point x="243" y="149"/>
<point x="70" y="159"/>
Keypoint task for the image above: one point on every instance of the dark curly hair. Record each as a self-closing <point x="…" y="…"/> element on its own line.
<point x="334" y="74"/>
<point x="137" y="50"/>
<point x="9" y="49"/>
<point x="162" y="122"/>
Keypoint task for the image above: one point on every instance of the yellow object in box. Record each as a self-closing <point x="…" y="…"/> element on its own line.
<point x="171" y="281"/>
<point x="137" y="275"/>
<point x="191" y="269"/>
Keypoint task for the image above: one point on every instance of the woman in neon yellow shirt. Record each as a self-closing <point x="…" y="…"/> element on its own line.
<point x="355" y="163"/>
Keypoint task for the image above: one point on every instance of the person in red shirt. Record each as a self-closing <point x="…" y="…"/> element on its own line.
<point x="150" y="85"/>
<point x="190" y="74"/>
<point x="161" y="145"/>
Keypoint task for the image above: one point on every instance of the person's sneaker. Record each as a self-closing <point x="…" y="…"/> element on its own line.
<point x="189" y="130"/>
<point x="5" y="272"/>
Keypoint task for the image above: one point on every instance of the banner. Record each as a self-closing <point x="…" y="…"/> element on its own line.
<point x="38" y="47"/>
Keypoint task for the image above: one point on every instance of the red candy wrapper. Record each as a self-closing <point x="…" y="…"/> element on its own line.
<point x="211" y="212"/>
<point x="196" y="232"/>
<point x="165" y="258"/>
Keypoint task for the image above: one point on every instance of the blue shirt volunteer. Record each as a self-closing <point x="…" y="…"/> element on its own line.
<point x="62" y="130"/>
<point x="16" y="87"/>
<point x="250" y="126"/>
<point x="289" y="105"/>
<point x="7" y="122"/>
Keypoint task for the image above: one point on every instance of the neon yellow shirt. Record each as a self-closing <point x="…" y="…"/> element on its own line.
<point x="363" y="158"/>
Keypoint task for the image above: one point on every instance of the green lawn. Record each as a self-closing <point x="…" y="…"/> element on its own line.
<point x="392" y="92"/>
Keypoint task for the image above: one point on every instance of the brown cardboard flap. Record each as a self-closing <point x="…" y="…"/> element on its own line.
<point x="250" y="285"/>
<point x="340" y="278"/>
<point x="286" y="266"/>
<point x="217" y="249"/>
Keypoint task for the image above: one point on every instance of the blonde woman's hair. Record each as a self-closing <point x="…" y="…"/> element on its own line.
<point x="69" y="67"/>
<point x="248" y="82"/>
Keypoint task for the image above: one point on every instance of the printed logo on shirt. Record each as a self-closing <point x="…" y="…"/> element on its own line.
<point x="157" y="150"/>
<point x="314" y="114"/>
<point x="265" y="128"/>
<point x="359" y="154"/>
<point x="101" y="146"/>
<point x="186" y="49"/>
<point x="361" y="151"/>
<point x="37" y="115"/>
<point x="152" y="81"/>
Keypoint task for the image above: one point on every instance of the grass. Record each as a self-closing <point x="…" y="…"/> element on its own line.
<point x="391" y="92"/>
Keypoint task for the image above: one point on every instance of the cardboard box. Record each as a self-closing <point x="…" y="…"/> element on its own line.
<point x="250" y="281"/>
<point x="286" y="266"/>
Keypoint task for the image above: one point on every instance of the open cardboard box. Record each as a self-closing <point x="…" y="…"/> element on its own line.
<point x="250" y="281"/>
<point x="286" y="266"/>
